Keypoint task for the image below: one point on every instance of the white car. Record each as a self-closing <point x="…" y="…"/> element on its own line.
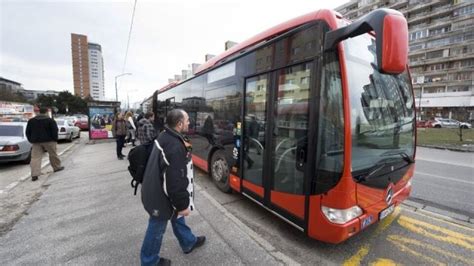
<point x="14" y="145"/>
<point x="439" y="122"/>
<point x="67" y="130"/>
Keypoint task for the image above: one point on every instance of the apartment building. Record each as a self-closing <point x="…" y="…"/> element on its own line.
<point x="87" y="67"/>
<point x="441" y="54"/>
<point x="96" y="71"/>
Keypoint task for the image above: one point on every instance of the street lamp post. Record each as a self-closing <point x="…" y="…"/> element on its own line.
<point x="116" y="91"/>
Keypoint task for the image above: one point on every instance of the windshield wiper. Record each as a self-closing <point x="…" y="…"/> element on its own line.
<point x="402" y="154"/>
<point x="372" y="171"/>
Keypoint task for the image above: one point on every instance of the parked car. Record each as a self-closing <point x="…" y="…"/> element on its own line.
<point x="67" y="130"/>
<point x="422" y="123"/>
<point x="82" y="123"/>
<point x="439" y="122"/>
<point x="14" y="145"/>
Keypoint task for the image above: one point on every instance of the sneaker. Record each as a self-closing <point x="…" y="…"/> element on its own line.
<point x="34" y="178"/>
<point x="120" y="157"/>
<point x="199" y="242"/>
<point x="59" y="169"/>
<point x="164" y="261"/>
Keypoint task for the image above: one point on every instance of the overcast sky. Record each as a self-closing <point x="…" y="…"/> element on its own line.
<point x="167" y="36"/>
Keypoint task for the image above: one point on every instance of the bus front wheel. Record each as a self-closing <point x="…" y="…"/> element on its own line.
<point x="220" y="171"/>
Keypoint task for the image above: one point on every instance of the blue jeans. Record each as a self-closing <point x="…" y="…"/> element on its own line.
<point x="149" y="254"/>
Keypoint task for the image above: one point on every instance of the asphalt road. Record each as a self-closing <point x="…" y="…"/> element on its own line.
<point x="444" y="179"/>
<point x="407" y="237"/>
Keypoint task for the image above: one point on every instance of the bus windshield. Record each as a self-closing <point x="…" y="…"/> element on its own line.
<point x="382" y="109"/>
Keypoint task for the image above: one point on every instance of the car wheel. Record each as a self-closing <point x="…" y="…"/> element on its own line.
<point x="464" y="127"/>
<point x="28" y="159"/>
<point x="70" y="137"/>
<point x="220" y="171"/>
<point x="79" y="134"/>
<point x="437" y="126"/>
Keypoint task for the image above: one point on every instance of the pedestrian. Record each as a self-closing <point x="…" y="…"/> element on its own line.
<point x="119" y="131"/>
<point x="146" y="130"/>
<point x="131" y="128"/>
<point x="178" y="185"/>
<point x="42" y="132"/>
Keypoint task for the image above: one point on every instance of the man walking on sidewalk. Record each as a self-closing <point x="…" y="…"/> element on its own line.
<point x="175" y="197"/>
<point x="42" y="132"/>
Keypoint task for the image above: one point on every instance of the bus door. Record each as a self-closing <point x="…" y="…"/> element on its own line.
<point x="275" y="142"/>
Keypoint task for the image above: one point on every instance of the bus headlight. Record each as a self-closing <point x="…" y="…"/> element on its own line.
<point x="338" y="216"/>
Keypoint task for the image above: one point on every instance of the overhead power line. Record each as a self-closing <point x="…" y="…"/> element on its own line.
<point x="129" y="37"/>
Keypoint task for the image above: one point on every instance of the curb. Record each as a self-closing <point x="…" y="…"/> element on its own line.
<point x="446" y="148"/>
<point x="440" y="213"/>
<point x="269" y="248"/>
<point x="25" y="177"/>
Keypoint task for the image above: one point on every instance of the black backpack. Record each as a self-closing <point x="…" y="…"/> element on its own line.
<point x="138" y="158"/>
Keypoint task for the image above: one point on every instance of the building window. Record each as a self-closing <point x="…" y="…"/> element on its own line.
<point x="458" y="88"/>
<point x="434" y="54"/>
<point x="434" y="90"/>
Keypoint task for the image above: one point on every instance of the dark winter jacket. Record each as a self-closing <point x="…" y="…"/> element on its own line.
<point x="119" y="128"/>
<point x="41" y="128"/>
<point x="146" y="131"/>
<point x="179" y="174"/>
<point x="176" y="177"/>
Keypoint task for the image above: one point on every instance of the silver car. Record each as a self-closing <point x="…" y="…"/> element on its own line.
<point x="14" y="145"/>
<point x="439" y="122"/>
<point x="67" y="130"/>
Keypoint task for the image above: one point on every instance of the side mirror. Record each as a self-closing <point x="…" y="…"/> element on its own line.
<point x="391" y="33"/>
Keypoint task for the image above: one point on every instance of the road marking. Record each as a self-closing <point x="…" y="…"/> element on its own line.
<point x="12" y="185"/>
<point x="23" y="178"/>
<point x="356" y="259"/>
<point x="446" y="178"/>
<point x="405" y="249"/>
<point x="407" y="241"/>
<point x="444" y="162"/>
<point x="383" y="262"/>
<point x="447" y="236"/>
<point x="449" y="220"/>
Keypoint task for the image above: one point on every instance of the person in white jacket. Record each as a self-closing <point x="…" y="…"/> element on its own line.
<point x="131" y="128"/>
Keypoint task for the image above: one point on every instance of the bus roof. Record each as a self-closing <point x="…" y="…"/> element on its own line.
<point x="168" y="86"/>
<point x="324" y="14"/>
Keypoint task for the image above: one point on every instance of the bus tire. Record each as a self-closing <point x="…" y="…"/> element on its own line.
<point x="220" y="171"/>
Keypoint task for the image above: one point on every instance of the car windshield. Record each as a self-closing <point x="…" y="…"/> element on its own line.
<point x="60" y="122"/>
<point x="11" y="131"/>
<point x="382" y="108"/>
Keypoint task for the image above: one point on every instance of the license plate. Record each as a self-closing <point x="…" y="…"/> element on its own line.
<point x="386" y="212"/>
<point x="1" y="148"/>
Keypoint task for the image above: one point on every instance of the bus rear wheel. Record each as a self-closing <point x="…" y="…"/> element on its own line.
<point x="220" y="171"/>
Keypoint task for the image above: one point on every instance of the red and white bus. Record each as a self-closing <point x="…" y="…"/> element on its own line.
<point x="312" y="119"/>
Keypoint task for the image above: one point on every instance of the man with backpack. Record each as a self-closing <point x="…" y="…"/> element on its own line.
<point x="167" y="190"/>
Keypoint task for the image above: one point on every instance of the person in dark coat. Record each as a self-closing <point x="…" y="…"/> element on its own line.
<point x="42" y="132"/>
<point x="178" y="187"/>
<point x="119" y="131"/>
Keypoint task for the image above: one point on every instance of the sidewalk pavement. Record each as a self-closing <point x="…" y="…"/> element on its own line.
<point x="89" y="215"/>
